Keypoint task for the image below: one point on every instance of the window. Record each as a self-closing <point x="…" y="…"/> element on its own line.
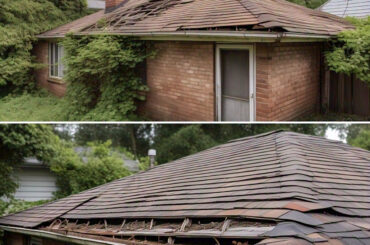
<point x="56" y="67"/>
<point x="35" y="241"/>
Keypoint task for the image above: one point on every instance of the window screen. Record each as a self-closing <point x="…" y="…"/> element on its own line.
<point x="235" y="73"/>
<point x="56" y="67"/>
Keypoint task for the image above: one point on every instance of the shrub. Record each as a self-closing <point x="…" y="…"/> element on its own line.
<point x="350" y="53"/>
<point x="102" y="165"/>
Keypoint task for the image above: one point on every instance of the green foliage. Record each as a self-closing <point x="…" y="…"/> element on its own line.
<point x="350" y="54"/>
<point x="362" y="139"/>
<point x="20" y="20"/>
<point x="176" y="141"/>
<point x="18" y="142"/>
<point x="13" y="206"/>
<point x="72" y="9"/>
<point x="102" y="165"/>
<point x="186" y="141"/>
<point x="103" y="82"/>
<point x="309" y="3"/>
<point x="37" y="106"/>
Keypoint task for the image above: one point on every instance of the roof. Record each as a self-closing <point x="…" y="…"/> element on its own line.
<point x="140" y="17"/>
<point x="278" y="186"/>
<point x="344" y="8"/>
<point x="73" y="26"/>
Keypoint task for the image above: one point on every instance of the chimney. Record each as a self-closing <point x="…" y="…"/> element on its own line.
<point x="152" y="153"/>
<point x="111" y="5"/>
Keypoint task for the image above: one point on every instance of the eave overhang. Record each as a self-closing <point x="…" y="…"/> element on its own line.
<point x="213" y="36"/>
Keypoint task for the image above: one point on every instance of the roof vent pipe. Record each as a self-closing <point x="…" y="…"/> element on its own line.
<point x="152" y="153"/>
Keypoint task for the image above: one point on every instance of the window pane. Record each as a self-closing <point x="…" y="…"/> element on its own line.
<point x="51" y="59"/>
<point x="56" y="59"/>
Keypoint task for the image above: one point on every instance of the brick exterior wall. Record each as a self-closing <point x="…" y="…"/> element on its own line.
<point x="41" y="52"/>
<point x="181" y="82"/>
<point x="287" y="80"/>
<point x="14" y="239"/>
<point x="111" y="4"/>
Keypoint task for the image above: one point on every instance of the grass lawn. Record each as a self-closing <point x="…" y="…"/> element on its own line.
<point x="40" y="106"/>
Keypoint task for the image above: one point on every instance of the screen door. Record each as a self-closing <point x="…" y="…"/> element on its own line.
<point x="234" y="65"/>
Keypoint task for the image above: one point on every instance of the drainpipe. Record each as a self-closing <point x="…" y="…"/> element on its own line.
<point x="152" y="153"/>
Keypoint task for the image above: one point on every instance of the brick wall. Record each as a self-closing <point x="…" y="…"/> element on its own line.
<point x="181" y="82"/>
<point x="288" y="80"/>
<point x="40" y="50"/>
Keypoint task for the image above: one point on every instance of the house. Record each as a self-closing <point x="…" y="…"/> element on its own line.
<point x="277" y="188"/>
<point x="96" y="4"/>
<point x="344" y="8"/>
<point x="36" y="181"/>
<point x="217" y="60"/>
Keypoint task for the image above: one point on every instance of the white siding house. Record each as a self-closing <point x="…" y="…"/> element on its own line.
<point x="96" y="4"/>
<point x="36" y="181"/>
<point x="344" y="8"/>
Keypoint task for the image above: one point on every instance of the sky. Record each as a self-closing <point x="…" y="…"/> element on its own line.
<point x="333" y="134"/>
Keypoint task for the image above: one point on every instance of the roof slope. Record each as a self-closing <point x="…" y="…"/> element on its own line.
<point x="314" y="189"/>
<point x="344" y="8"/>
<point x="147" y="16"/>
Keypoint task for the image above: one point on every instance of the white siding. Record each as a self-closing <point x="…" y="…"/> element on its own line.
<point x="96" y="4"/>
<point x="35" y="184"/>
<point x="343" y="8"/>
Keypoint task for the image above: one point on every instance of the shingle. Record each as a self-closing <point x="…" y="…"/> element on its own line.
<point x="276" y="177"/>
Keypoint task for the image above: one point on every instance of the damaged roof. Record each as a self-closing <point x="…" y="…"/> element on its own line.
<point x="279" y="188"/>
<point x="140" y="17"/>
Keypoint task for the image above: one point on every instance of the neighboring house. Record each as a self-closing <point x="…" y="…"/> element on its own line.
<point x="344" y="8"/>
<point x="225" y="60"/>
<point x="278" y="188"/>
<point x="36" y="181"/>
<point x="96" y="4"/>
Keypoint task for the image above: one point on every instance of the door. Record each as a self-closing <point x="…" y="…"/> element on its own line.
<point x="235" y="77"/>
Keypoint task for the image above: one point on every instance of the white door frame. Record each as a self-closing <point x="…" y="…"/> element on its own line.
<point x="252" y="77"/>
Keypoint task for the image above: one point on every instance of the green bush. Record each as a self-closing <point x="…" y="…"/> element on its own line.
<point x="20" y="21"/>
<point x="350" y="53"/>
<point x="14" y="206"/>
<point x="103" y="83"/>
<point x="102" y="165"/>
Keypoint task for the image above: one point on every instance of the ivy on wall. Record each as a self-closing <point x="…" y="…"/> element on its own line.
<point x="103" y="82"/>
<point x="20" y="21"/>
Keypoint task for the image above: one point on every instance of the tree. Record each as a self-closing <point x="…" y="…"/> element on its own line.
<point x="18" y="142"/>
<point x="355" y="134"/>
<point x="309" y="3"/>
<point x="176" y="141"/>
<point x="362" y="140"/>
<point x="350" y="53"/>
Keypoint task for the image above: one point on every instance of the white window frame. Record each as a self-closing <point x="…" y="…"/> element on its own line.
<point x="56" y="63"/>
<point x="252" y="77"/>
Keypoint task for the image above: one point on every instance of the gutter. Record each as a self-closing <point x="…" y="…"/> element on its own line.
<point x="208" y="36"/>
<point x="57" y="236"/>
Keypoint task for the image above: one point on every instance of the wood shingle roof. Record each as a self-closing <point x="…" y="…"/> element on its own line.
<point x="311" y="189"/>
